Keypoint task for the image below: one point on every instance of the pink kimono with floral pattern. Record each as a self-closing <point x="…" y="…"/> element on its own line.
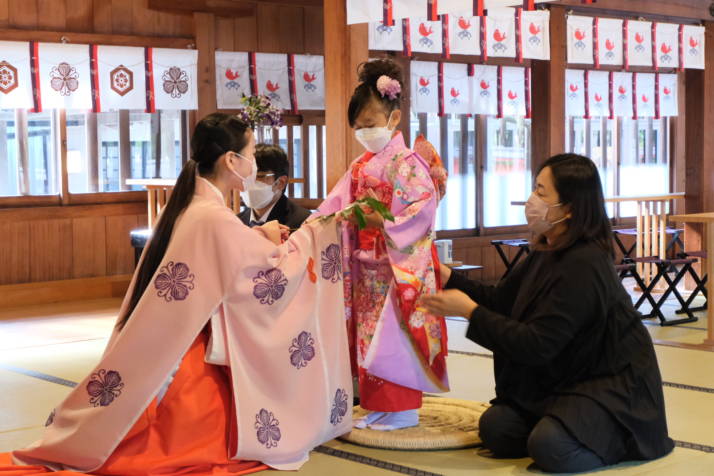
<point x="398" y="349"/>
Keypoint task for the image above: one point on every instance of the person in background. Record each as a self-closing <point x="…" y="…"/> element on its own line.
<point x="577" y="381"/>
<point x="266" y="200"/>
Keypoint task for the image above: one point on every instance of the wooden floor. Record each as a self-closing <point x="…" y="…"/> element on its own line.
<point x="45" y="349"/>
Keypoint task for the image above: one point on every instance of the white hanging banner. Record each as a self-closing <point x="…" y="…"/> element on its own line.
<point x="598" y="93"/>
<point x="175" y="84"/>
<point x="485" y="90"/>
<point x="425" y="86"/>
<point x="310" y="82"/>
<point x="426" y="36"/>
<point x="15" y="75"/>
<point x="645" y="94"/>
<point x="501" y="32"/>
<point x="121" y="78"/>
<point x="610" y="41"/>
<point x="386" y="38"/>
<point x="668" y="95"/>
<point x="622" y="94"/>
<point x="64" y="76"/>
<point x="232" y="79"/>
<point x="575" y="92"/>
<point x="457" y="89"/>
<point x="464" y="34"/>
<point x="580" y="40"/>
<point x="667" y="47"/>
<point x="639" y="43"/>
<point x="693" y="47"/>
<point x="513" y="91"/>
<point x="272" y="78"/>
<point x="535" y="34"/>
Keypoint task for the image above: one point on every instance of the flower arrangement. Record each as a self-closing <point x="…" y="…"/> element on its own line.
<point x="259" y="111"/>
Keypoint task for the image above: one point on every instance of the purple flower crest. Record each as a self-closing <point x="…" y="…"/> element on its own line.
<point x="339" y="407"/>
<point x="268" y="428"/>
<point x="174" y="281"/>
<point x="332" y="263"/>
<point x="270" y="286"/>
<point x="302" y="350"/>
<point x="103" y="387"/>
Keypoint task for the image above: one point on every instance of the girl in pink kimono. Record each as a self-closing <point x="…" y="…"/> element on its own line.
<point x="398" y="350"/>
<point x="218" y="327"/>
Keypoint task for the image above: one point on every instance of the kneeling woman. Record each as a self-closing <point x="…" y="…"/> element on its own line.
<point x="577" y="381"/>
<point x="219" y="325"/>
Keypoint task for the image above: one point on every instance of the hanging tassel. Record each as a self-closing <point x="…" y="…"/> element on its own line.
<point x="625" y="42"/>
<point x="478" y="8"/>
<point x="657" y="113"/>
<point x="527" y="73"/>
<point x="441" y="89"/>
<point x="587" y="94"/>
<point x="445" y="38"/>
<point x="519" y="35"/>
<point x="35" y="76"/>
<point x="407" y="37"/>
<point x="388" y="13"/>
<point x="681" y="47"/>
<point x="529" y="5"/>
<point x="148" y="58"/>
<point x="655" y="56"/>
<point x="611" y="93"/>
<point x="94" y="69"/>
<point x="252" y="74"/>
<point x="634" y="96"/>
<point x="500" y="92"/>
<point x="432" y="12"/>
<point x="291" y="84"/>
<point x="484" y="40"/>
<point x="596" y="42"/>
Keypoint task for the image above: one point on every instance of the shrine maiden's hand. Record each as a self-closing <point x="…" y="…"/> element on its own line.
<point x="451" y="302"/>
<point x="271" y="230"/>
<point x="284" y="233"/>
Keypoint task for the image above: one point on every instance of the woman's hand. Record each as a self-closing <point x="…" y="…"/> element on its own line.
<point x="272" y="230"/>
<point x="451" y="302"/>
<point x="284" y="233"/>
<point x="372" y="218"/>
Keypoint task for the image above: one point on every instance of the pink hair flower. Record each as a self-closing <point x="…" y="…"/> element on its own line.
<point x="388" y="87"/>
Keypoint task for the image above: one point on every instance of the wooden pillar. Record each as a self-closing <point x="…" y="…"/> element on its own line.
<point x="205" y="24"/>
<point x="345" y="48"/>
<point x="699" y="142"/>
<point x="548" y="95"/>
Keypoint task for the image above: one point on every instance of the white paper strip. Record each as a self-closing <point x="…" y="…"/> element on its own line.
<point x="175" y="78"/>
<point x="535" y="34"/>
<point x="580" y="40"/>
<point x="65" y="76"/>
<point x="122" y="78"/>
<point x="622" y="94"/>
<point x="501" y="32"/>
<point x="457" y="89"/>
<point x="513" y="91"/>
<point x="668" y="94"/>
<point x="639" y="43"/>
<point x="426" y="36"/>
<point x="610" y="41"/>
<point x="599" y="93"/>
<point x="667" y="45"/>
<point x="15" y="72"/>
<point x="425" y="86"/>
<point x="232" y="79"/>
<point x="693" y="37"/>
<point x="310" y="82"/>
<point x="485" y="90"/>
<point x="272" y="78"/>
<point x="574" y="92"/>
<point x="386" y="38"/>
<point x="645" y="95"/>
<point x="464" y="34"/>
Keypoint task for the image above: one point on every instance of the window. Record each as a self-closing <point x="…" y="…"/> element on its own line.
<point x="504" y="159"/>
<point x="304" y="145"/>
<point x="103" y="150"/>
<point x="632" y="155"/>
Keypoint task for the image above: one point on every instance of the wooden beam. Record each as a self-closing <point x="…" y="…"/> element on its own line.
<point x="547" y="96"/>
<point x="345" y="48"/>
<point x="658" y="9"/>
<point x="224" y="8"/>
<point x="92" y="38"/>
<point x="206" y="43"/>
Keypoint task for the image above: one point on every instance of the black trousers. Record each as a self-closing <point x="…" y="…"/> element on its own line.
<point x="508" y="434"/>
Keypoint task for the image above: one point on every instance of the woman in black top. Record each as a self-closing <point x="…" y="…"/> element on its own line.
<point x="577" y="381"/>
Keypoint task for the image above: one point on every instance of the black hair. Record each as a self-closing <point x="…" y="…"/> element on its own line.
<point x="368" y="73"/>
<point x="578" y="184"/>
<point x="271" y="158"/>
<point x="214" y="135"/>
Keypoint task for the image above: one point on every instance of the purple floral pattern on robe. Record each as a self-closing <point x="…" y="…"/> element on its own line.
<point x="302" y="350"/>
<point x="51" y="418"/>
<point x="339" y="407"/>
<point x="103" y="387"/>
<point x="332" y="263"/>
<point x="268" y="428"/>
<point x="270" y="286"/>
<point x="174" y="281"/>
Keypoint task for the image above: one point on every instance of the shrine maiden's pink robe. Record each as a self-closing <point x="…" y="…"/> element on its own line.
<point x="398" y="349"/>
<point x="276" y="315"/>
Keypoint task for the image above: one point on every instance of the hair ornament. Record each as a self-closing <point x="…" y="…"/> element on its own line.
<point x="388" y="87"/>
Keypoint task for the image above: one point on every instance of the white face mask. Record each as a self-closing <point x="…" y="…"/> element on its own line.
<point x="537" y="215"/>
<point x="259" y="196"/>
<point x="249" y="181"/>
<point x="374" y="139"/>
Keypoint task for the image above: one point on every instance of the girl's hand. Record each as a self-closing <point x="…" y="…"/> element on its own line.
<point x="445" y="273"/>
<point x="451" y="302"/>
<point x="284" y="233"/>
<point x="271" y="230"/>
<point x="372" y="218"/>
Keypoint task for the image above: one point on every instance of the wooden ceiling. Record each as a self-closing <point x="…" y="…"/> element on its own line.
<point x="233" y="8"/>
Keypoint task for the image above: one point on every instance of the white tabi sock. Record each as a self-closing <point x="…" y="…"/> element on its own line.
<point x="396" y="420"/>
